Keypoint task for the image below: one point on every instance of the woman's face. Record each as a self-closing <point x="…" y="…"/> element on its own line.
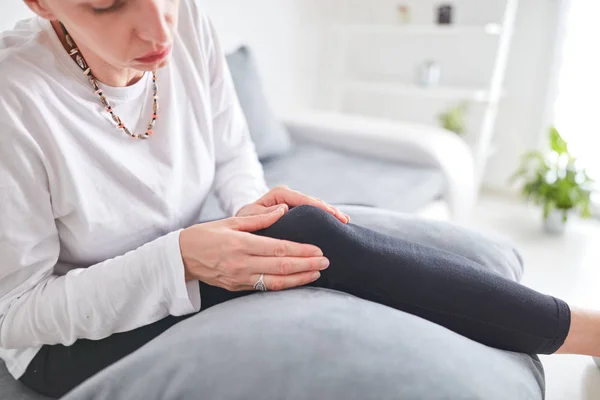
<point x="135" y="34"/>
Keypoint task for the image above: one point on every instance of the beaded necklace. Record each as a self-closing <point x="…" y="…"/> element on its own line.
<point x="78" y="58"/>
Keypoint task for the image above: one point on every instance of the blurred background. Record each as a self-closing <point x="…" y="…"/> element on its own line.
<point x="453" y="95"/>
<point x="370" y="58"/>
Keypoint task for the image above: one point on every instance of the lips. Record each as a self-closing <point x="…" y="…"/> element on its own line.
<point x="155" y="56"/>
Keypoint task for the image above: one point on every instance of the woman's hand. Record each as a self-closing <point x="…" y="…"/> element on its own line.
<point x="284" y="196"/>
<point x="225" y="254"/>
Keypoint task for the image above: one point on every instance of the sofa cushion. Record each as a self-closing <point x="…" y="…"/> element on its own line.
<point x="313" y="344"/>
<point x="10" y="389"/>
<point x="340" y="177"/>
<point x="268" y="133"/>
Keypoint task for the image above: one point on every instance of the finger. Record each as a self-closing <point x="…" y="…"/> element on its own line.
<point x="335" y="211"/>
<point x="286" y="208"/>
<point x="287" y="265"/>
<point x="258" y="209"/>
<point x="284" y="195"/>
<point x="257" y="222"/>
<point x="276" y="283"/>
<point x="269" y="247"/>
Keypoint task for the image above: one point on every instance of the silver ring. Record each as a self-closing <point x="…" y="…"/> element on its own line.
<point x="260" y="284"/>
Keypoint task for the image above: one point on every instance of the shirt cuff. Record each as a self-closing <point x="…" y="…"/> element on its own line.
<point x="184" y="296"/>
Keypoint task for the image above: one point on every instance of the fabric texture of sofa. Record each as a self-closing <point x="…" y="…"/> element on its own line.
<point x="346" y="178"/>
<point x="271" y="138"/>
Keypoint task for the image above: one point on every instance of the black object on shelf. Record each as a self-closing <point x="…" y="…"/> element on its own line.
<point x="444" y="14"/>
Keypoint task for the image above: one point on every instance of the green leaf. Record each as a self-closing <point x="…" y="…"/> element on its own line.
<point x="454" y="119"/>
<point x="557" y="143"/>
<point x="549" y="183"/>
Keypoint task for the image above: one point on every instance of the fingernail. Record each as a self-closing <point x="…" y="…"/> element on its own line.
<point x="347" y="217"/>
<point x="324" y="263"/>
<point x="318" y="253"/>
<point x="316" y="275"/>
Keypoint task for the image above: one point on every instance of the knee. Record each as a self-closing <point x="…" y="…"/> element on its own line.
<point x="309" y="215"/>
<point x="305" y="223"/>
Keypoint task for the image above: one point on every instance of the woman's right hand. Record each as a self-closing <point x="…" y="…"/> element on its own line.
<point x="226" y="254"/>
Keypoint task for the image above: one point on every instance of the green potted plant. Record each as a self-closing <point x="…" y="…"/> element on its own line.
<point x="556" y="182"/>
<point x="453" y="119"/>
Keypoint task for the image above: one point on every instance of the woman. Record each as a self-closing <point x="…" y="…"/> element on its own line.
<point x="99" y="235"/>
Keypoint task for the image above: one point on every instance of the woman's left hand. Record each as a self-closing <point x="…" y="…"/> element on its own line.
<point x="283" y="195"/>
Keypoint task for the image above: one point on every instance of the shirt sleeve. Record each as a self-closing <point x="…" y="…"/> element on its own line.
<point x="239" y="176"/>
<point x="37" y="306"/>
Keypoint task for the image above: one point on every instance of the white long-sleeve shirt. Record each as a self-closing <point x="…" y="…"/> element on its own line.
<point x="89" y="218"/>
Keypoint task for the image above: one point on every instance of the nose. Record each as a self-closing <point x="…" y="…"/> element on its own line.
<point x="153" y="22"/>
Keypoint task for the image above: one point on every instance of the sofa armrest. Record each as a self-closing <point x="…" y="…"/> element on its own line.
<point x="399" y="141"/>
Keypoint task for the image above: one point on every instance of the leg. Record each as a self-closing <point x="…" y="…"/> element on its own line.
<point x="57" y="369"/>
<point x="584" y="334"/>
<point x="433" y="284"/>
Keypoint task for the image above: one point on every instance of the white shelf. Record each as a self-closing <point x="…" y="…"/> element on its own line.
<point x="408" y="29"/>
<point x="497" y="34"/>
<point x="438" y="92"/>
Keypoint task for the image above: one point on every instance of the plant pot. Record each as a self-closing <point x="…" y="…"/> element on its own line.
<point x="555" y="224"/>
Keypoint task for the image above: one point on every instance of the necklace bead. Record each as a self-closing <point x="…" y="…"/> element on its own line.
<point x="80" y="61"/>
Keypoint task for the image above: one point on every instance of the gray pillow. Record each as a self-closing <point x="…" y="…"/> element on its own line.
<point x="314" y="344"/>
<point x="318" y="344"/>
<point x="11" y="389"/>
<point x="268" y="133"/>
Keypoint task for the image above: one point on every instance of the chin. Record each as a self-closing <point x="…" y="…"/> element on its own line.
<point x="163" y="63"/>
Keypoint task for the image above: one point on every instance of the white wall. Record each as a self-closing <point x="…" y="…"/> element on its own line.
<point x="12" y="11"/>
<point x="524" y="116"/>
<point x="284" y="35"/>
